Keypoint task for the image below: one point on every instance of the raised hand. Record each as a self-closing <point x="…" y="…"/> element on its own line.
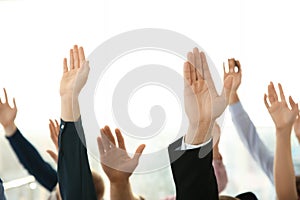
<point x="115" y="161"/>
<point x="282" y="115"/>
<point x="202" y="102"/>
<point x="74" y="77"/>
<point x="54" y="132"/>
<point x="8" y="115"/>
<point x="284" y="118"/>
<point x="236" y="78"/>
<point x="73" y="80"/>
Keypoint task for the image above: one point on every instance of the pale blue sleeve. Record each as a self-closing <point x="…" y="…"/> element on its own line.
<point x="250" y="138"/>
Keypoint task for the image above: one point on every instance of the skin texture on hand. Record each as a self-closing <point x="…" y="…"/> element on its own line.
<point x="203" y="105"/>
<point x="236" y="78"/>
<point x="8" y="115"/>
<point x="117" y="164"/>
<point x="283" y="118"/>
<point x="73" y="80"/>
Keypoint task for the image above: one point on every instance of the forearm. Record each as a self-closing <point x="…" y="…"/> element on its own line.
<point x="120" y="191"/>
<point x="234" y="98"/>
<point x="285" y="181"/>
<point x="74" y="174"/>
<point x="32" y="160"/>
<point x="193" y="174"/>
<point x="10" y="129"/>
<point x="70" y="110"/>
<point x="198" y="134"/>
<point x="251" y="140"/>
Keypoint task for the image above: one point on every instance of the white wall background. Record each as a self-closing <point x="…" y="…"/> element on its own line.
<point x="36" y="35"/>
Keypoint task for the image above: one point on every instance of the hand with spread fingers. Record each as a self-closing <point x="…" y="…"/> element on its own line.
<point x="8" y="115"/>
<point x="282" y="115"/>
<point x="203" y="105"/>
<point x="117" y="164"/>
<point x="236" y="76"/>
<point x="54" y="132"/>
<point x="284" y="118"/>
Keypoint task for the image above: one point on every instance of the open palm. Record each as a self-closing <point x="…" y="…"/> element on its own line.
<point x="115" y="161"/>
<point x="202" y="102"/>
<point x="281" y="114"/>
<point x="74" y="77"/>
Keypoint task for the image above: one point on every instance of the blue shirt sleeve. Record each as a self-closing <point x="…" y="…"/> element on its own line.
<point x="251" y="140"/>
<point x="32" y="161"/>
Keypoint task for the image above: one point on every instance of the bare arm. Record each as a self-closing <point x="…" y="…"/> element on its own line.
<point x="283" y="117"/>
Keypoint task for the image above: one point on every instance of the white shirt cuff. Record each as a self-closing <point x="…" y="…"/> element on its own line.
<point x="185" y="146"/>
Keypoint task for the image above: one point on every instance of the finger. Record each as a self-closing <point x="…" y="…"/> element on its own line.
<point x="198" y="64"/>
<point x="272" y="93"/>
<point x="5" y="95"/>
<point x="100" y="146"/>
<point x="81" y="55"/>
<point x="105" y="141"/>
<point x="71" y="59"/>
<point x="207" y="76"/>
<point x="282" y="97"/>
<point x="65" y="65"/>
<point x="14" y="102"/>
<point x="120" y="139"/>
<point x="76" y="57"/>
<point x="57" y="127"/>
<point x="192" y="67"/>
<point x="1" y="101"/>
<point x="294" y="106"/>
<point x="187" y="74"/>
<point x="266" y="101"/>
<point x="238" y="65"/>
<point x="231" y="64"/>
<point x="139" y="151"/>
<point x="109" y="135"/>
<point x="224" y="69"/>
<point x="53" y="134"/>
<point x="53" y="155"/>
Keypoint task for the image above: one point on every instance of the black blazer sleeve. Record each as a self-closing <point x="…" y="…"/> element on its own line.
<point x="193" y="172"/>
<point x="74" y="174"/>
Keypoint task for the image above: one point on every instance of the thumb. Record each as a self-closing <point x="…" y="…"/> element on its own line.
<point x="139" y="151"/>
<point x="53" y="155"/>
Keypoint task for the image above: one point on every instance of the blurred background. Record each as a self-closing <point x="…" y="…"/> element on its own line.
<point x="36" y="35"/>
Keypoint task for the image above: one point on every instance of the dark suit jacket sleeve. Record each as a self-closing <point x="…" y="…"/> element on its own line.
<point x="74" y="174"/>
<point x="2" y="196"/>
<point x="33" y="161"/>
<point x="193" y="172"/>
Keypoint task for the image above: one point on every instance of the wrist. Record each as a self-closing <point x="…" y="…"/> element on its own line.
<point x="70" y="108"/>
<point x="198" y="134"/>
<point x="10" y="129"/>
<point x="283" y="133"/>
<point x="234" y="98"/>
<point x="121" y="183"/>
